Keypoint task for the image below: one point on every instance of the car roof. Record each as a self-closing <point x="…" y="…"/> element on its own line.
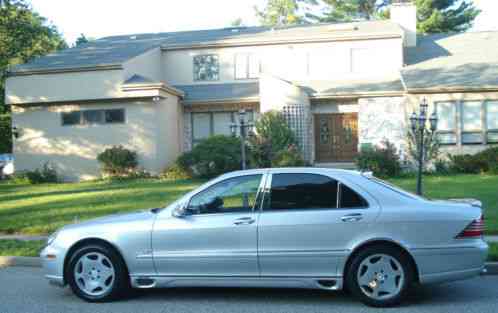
<point x="310" y="170"/>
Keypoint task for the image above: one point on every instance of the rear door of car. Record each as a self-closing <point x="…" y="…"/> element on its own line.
<point x="307" y="223"/>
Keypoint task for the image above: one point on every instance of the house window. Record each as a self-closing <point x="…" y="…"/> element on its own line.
<point x="207" y="124"/>
<point x="446" y="112"/>
<point x="471" y="122"/>
<point x="492" y="121"/>
<point x="206" y="67"/>
<point x="93" y="117"/>
<point x="247" y="65"/>
<point x="71" y="118"/>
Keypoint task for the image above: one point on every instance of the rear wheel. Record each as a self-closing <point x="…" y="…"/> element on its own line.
<point x="97" y="274"/>
<point x="380" y="276"/>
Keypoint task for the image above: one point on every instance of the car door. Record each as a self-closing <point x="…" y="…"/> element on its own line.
<point x="218" y="238"/>
<point x="305" y="229"/>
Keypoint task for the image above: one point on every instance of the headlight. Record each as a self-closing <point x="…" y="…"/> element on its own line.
<point x="51" y="238"/>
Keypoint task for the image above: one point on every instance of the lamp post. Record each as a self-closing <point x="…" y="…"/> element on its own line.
<point x="419" y="124"/>
<point x="242" y="126"/>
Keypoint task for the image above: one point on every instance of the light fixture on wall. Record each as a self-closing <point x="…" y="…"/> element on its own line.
<point x="156" y="99"/>
<point x="16" y="132"/>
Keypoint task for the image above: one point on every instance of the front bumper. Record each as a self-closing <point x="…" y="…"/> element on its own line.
<point x="52" y="259"/>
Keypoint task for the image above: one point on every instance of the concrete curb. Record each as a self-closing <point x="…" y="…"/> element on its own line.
<point x="491" y="267"/>
<point x="20" y="261"/>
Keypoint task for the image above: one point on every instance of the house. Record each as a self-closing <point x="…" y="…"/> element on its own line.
<point x="341" y="86"/>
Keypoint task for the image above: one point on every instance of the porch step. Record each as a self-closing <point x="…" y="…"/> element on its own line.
<point x="338" y="165"/>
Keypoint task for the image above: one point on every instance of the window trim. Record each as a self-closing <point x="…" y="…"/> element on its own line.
<point x="247" y="56"/>
<point x="267" y="195"/>
<point x="234" y="113"/>
<point x="195" y="79"/>
<point x="102" y="121"/>
<point x="254" y="209"/>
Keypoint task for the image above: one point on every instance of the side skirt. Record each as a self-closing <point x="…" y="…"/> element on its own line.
<point x="325" y="283"/>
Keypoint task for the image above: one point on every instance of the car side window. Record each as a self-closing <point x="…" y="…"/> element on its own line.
<point x="290" y="191"/>
<point x="349" y="199"/>
<point x="237" y="194"/>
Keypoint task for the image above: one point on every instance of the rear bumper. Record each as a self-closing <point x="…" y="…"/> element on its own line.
<point x="452" y="263"/>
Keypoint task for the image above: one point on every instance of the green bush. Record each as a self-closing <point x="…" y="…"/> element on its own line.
<point x="176" y="172"/>
<point x="288" y="158"/>
<point x="212" y="156"/>
<point x="272" y="135"/>
<point x="487" y="159"/>
<point x="118" y="161"/>
<point x="383" y="161"/>
<point x="442" y="167"/>
<point x="5" y="134"/>
<point x="465" y="163"/>
<point x="46" y="174"/>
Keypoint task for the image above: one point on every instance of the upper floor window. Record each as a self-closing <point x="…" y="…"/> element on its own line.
<point x="247" y="65"/>
<point x="206" y="67"/>
<point x="91" y="117"/>
<point x="446" y="112"/>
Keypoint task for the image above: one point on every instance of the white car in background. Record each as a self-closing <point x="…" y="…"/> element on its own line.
<point x="6" y="165"/>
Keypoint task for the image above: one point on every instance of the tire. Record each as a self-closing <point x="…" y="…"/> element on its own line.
<point x="380" y="276"/>
<point x="96" y="273"/>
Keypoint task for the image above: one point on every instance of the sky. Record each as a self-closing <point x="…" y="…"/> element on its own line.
<point x="100" y="18"/>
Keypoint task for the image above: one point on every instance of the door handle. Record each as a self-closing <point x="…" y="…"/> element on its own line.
<point x="353" y="217"/>
<point x="244" y="221"/>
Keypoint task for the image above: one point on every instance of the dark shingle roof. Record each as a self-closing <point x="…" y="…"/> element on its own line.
<point x="453" y="60"/>
<point x="117" y="49"/>
<point x="219" y="92"/>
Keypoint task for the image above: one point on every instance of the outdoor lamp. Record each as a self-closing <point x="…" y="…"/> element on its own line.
<point x="233" y="128"/>
<point x="433" y="121"/>
<point x="413" y="121"/>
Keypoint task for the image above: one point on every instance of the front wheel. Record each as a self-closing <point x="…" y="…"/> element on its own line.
<point x="380" y="276"/>
<point x="97" y="274"/>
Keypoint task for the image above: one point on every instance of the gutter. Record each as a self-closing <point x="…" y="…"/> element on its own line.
<point x="103" y="67"/>
<point x="450" y="89"/>
<point x="274" y="41"/>
<point x="221" y="101"/>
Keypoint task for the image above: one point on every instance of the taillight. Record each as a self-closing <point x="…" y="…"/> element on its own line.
<point x="474" y="229"/>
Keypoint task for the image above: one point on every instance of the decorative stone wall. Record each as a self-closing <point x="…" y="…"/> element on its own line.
<point x="383" y="118"/>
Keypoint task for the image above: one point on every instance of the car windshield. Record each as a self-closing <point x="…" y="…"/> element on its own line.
<point x="396" y="189"/>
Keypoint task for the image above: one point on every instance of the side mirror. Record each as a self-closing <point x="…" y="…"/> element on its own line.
<point x="182" y="211"/>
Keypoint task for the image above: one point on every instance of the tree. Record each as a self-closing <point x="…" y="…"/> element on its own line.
<point x="24" y="34"/>
<point x="433" y="16"/>
<point x="280" y="13"/>
<point x="81" y="40"/>
<point x="238" y="22"/>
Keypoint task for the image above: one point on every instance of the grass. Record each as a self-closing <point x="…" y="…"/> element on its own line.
<point x="41" y="209"/>
<point x="21" y="248"/>
<point x="481" y="187"/>
<point x="493" y="252"/>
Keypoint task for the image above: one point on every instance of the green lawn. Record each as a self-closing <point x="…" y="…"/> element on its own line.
<point x="41" y="209"/>
<point x="20" y="248"/>
<point x="481" y="187"/>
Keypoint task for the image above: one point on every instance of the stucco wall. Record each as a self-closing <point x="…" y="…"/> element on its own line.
<point x="64" y="87"/>
<point x="146" y="64"/>
<point x="290" y="61"/>
<point x="150" y="130"/>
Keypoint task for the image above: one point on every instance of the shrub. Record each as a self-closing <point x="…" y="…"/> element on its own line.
<point x="175" y="172"/>
<point x="118" y="161"/>
<point x="46" y="174"/>
<point x="288" y="158"/>
<point x="442" y="167"/>
<point x="5" y="134"/>
<point x="487" y="159"/>
<point x="465" y="163"/>
<point x="212" y="156"/>
<point x="272" y="136"/>
<point x="383" y="161"/>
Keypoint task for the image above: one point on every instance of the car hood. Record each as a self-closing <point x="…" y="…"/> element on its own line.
<point x="142" y="215"/>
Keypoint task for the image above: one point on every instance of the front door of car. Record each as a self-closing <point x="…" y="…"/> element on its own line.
<point x="216" y="237"/>
<point x="304" y="229"/>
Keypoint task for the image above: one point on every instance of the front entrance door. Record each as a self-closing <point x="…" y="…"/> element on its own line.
<point x="336" y="137"/>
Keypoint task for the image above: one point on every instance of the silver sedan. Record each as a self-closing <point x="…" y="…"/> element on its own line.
<point x="294" y="227"/>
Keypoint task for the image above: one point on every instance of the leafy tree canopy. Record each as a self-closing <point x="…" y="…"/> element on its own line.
<point x="283" y="12"/>
<point x="433" y="16"/>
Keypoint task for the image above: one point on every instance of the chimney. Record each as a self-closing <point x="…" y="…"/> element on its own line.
<point x="404" y="13"/>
